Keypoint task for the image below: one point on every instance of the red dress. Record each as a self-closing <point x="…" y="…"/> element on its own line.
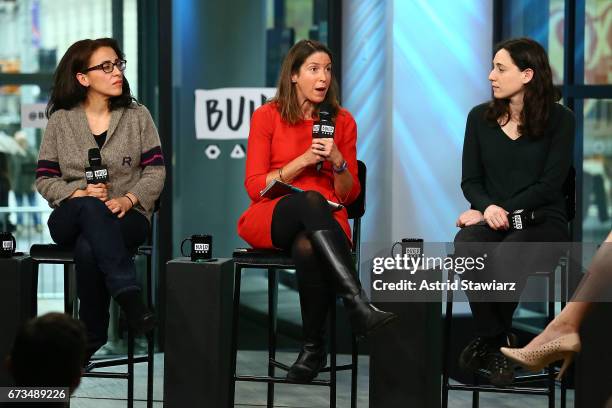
<point x="272" y="144"/>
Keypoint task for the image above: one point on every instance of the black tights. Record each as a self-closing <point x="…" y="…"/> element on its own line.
<point x="294" y="217"/>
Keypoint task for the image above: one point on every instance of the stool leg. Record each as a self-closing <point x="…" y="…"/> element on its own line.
<point x="551" y="316"/>
<point x="150" y="338"/>
<point x="563" y="277"/>
<point x="68" y="305"/>
<point x="448" y="320"/>
<point x="130" y="394"/>
<point x="34" y="299"/>
<point x="563" y="395"/>
<point x="354" y="370"/>
<point x="150" y="367"/>
<point x="476" y="394"/>
<point x="332" y="357"/>
<point x="234" y="346"/>
<point x="551" y="386"/>
<point x="272" y="309"/>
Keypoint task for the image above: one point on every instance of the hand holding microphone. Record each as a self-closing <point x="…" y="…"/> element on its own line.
<point x="97" y="190"/>
<point x="97" y="172"/>
<point x="96" y="176"/>
<point x="523" y="219"/>
<point x="323" y="137"/>
<point x="326" y="149"/>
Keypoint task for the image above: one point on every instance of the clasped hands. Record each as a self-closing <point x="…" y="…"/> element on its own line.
<point x="323" y="149"/>
<point x="495" y="217"/>
<point x="119" y="205"/>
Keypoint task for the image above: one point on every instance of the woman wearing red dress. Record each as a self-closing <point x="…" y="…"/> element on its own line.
<point x="281" y="147"/>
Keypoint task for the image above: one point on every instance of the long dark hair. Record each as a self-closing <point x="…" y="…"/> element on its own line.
<point x="67" y="92"/>
<point x="286" y="95"/>
<point x="540" y="93"/>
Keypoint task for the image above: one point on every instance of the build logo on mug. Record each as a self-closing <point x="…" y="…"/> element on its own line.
<point x="8" y="244"/>
<point x="201" y="247"/>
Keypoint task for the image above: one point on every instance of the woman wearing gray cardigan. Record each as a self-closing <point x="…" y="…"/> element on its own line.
<point x="91" y="109"/>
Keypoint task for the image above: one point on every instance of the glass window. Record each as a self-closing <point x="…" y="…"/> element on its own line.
<point x="597" y="168"/>
<point x="541" y="20"/>
<point x="130" y="42"/>
<point x="23" y="211"/>
<point x="34" y="35"/>
<point x="289" y="22"/>
<point x="598" y="42"/>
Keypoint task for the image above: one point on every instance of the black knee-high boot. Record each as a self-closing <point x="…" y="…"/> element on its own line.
<point x="332" y="246"/>
<point x="314" y="301"/>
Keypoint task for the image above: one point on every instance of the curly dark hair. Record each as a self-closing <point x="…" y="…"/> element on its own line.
<point x="67" y="92"/>
<point x="540" y="93"/>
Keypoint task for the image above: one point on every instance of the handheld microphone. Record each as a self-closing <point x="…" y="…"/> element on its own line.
<point x="324" y="127"/>
<point x="521" y="219"/>
<point x="96" y="172"/>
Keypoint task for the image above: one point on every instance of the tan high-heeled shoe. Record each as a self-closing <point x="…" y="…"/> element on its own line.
<point x="561" y="348"/>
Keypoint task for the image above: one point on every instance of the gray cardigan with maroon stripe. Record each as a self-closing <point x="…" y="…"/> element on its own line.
<point x="131" y="152"/>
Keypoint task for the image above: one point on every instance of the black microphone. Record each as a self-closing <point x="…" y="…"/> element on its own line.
<point x="522" y="219"/>
<point x="324" y="127"/>
<point x="94" y="157"/>
<point x="96" y="172"/>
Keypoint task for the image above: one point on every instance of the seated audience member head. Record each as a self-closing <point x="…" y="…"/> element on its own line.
<point x="48" y="351"/>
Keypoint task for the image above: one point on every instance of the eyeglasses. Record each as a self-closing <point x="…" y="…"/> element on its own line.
<point x="109" y="66"/>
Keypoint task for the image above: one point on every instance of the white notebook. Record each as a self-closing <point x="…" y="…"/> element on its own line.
<point x="277" y="188"/>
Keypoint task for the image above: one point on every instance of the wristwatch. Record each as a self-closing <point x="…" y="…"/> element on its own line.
<point x="341" y="168"/>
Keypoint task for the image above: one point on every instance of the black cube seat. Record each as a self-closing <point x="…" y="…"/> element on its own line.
<point x="52" y="254"/>
<point x="263" y="257"/>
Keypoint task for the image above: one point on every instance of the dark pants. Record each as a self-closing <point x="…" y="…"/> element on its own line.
<point x="103" y="247"/>
<point x="495" y="318"/>
<point x="295" y="216"/>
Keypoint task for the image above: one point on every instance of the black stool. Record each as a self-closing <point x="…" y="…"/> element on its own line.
<point x="55" y="254"/>
<point x="569" y="192"/>
<point x="272" y="260"/>
<point x="475" y="387"/>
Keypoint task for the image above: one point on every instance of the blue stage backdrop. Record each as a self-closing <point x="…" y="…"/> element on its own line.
<point x="411" y="72"/>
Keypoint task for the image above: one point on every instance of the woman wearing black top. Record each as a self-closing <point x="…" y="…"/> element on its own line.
<point x="516" y="155"/>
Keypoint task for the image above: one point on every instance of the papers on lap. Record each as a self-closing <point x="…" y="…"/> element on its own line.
<point x="277" y="188"/>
